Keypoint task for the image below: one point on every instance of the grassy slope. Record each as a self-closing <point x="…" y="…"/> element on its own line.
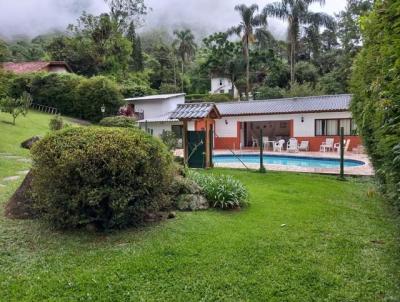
<point x="337" y="245"/>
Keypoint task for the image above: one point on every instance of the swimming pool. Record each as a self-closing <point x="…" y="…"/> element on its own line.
<point x="297" y="161"/>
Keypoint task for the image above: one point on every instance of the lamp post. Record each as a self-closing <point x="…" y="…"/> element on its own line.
<point x="103" y="110"/>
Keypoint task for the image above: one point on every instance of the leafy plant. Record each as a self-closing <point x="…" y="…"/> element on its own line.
<point x="16" y="106"/>
<point x="221" y="191"/>
<point x="94" y="175"/>
<point x="169" y="139"/>
<point x="56" y="123"/>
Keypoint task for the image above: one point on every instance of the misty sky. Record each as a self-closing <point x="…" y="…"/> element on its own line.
<point x="32" y="17"/>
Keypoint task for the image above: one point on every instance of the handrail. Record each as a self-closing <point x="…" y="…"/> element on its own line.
<point x="234" y="154"/>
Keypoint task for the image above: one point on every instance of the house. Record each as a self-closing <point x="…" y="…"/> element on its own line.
<point x="39" y="66"/>
<point x="223" y="85"/>
<point x="310" y="119"/>
<point x="154" y="112"/>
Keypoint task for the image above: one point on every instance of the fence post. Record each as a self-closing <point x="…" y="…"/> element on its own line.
<point x="342" y="154"/>
<point x="260" y="143"/>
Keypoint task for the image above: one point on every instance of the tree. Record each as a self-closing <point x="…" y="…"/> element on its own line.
<point x="124" y="12"/>
<point x="296" y="13"/>
<point x="250" y="23"/>
<point x="94" y="46"/>
<point x="137" y="63"/>
<point x="4" y="52"/>
<point x="185" y="47"/>
<point x="16" y="106"/>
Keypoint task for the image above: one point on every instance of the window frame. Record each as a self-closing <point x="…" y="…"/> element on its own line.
<point x="323" y="125"/>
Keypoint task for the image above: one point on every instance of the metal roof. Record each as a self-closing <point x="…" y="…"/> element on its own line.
<point x="155" y="97"/>
<point x="194" y="111"/>
<point x="326" y="103"/>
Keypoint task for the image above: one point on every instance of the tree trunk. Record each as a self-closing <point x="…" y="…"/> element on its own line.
<point x="247" y="69"/>
<point x="183" y="73"/>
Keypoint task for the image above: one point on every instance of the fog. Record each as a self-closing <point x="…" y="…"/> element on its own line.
<point x="34" y="17"/>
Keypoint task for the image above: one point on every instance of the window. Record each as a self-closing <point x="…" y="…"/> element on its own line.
<point x="331" y="127"/>
<point x="222" y="91"/>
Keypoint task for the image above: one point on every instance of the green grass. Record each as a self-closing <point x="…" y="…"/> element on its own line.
<point x="304" y="238"/>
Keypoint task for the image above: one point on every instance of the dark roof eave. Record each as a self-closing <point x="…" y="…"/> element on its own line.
<point x="292" y="112"/>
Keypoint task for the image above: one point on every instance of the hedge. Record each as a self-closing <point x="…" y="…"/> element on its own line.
<point x="110" y="177"/>
<point x="72" y="95"/>
<point x="376" y="87"/>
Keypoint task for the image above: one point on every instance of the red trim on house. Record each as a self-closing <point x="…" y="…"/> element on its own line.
<point x="315" y="142"/>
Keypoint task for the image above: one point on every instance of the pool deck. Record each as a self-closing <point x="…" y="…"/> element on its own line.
<point x="365" y="170"/>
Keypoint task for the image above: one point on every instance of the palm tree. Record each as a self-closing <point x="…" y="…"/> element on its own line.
<point x="185" y="47"/>
<point x="297" y="14"/>
<point x="249" y="24"/>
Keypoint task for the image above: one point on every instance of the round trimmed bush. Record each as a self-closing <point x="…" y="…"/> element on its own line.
<point x="118" y="121"/>
<point x="109" y="177"/>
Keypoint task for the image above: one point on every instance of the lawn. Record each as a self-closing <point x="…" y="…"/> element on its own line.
<point x="304" y="238"/>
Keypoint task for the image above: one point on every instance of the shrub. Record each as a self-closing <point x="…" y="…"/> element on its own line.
<point x="221" y="191"/>
<point x="218" y="98"/>
<point x="93" y="175"/>
<point x="95" y="92"/>
<point x="196" y="97"/>
<point x="169" y="139"/>
<point x="267" y="92"/>
<point x="118" y="121"/>
<point x="56" y="123"/>
<point x="376" y="87"/>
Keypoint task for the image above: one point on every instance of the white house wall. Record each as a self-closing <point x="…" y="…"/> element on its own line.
<point x="227" y="126"/>
<point x="156" y="108"/>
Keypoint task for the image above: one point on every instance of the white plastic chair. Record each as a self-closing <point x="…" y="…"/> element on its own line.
<point x="328" y="145"/>
<point x="278" y="146"/>
<point x="265" y="140"/>
<point x="255" y="142"/>
<point x="304" y="146"/>
<point x="293" y="145"/>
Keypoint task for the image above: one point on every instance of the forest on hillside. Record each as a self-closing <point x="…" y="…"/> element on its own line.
<point x="316" y="58"/>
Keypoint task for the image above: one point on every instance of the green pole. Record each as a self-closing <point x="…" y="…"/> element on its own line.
<point x="260" y="143"/>
<point x="342" y="153"/>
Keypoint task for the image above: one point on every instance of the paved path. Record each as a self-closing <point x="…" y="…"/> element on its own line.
<point x="13" y="178"/>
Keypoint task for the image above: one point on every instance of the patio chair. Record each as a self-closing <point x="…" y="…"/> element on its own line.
<point x="304" y="146"/>
<point x="336" y="147"/>
<point x="278" y="146"/>
<point x="328" y="145"/>
<point x="293" y="145"/>
<point x="254" y="142"/>
<point x="265" y="140"/>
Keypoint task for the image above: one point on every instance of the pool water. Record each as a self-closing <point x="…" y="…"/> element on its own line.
<point x="297" y="161"/>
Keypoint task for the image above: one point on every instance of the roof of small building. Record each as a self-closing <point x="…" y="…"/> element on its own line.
<point x="155" y="97"/>
<point x="27" y="67"/>
<point x="326" y="103"/>
<point x="195" y="111"/>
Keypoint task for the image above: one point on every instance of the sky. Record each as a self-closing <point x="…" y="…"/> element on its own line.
<point x="33" y="17"/>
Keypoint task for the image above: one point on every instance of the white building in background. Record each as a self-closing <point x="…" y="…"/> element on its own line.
<point x="153" y="112"/>
<point x="223" y="85"/>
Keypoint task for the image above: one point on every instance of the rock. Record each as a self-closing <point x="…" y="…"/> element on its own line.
<point x="192" y="202"/>
<point x="171" y="215"/>
<point x="20" y="205"/>
<point x="183" y="185"/>
<point x="29" y="142"/>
